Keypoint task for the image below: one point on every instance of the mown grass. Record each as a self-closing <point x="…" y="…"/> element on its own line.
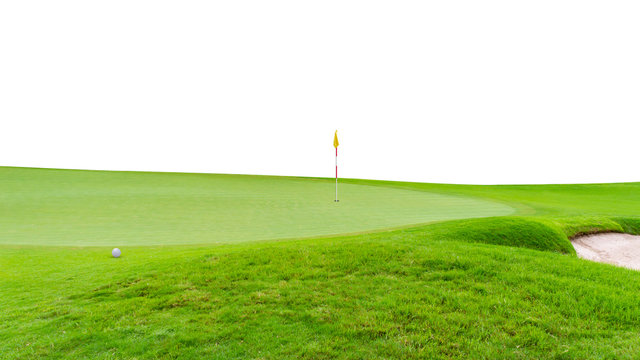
<point x="619" y="199"/>
<point x="70" y="207"/>
<point x="498" y="287"/>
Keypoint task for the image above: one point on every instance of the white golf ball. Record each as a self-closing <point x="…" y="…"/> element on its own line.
<point x="115" y="252"/>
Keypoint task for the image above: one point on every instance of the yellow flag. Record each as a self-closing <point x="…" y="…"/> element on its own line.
<point x="335" y="140"/>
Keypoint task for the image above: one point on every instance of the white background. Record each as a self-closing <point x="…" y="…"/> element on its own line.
<point x="441" y="91"/>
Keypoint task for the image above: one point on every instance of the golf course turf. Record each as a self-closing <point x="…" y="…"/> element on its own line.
<point x="230" y="267"/>
<point x="64" y="207"/>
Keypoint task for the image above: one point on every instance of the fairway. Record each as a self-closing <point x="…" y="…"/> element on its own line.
<point x="85" y="208"/>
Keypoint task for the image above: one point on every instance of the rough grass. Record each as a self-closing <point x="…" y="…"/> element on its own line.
<point x="629" y="225"/>
<point x="499" y="287"/>
<point x="509" y="231"/>
<point x="393" y="295"/>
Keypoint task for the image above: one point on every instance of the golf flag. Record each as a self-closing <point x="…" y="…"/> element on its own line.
<point x="335" y="145"/>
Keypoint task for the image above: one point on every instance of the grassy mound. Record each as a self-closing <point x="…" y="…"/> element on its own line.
<point x="629" y="225"/>
<point x="362" y="297"/>
<point x="510" y="231"/>
<point x="548" y="233"/>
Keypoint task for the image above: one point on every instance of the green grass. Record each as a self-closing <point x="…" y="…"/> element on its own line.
<point x="620" y="199"/>
<point x="495" y="287"/>
<point x="65" y="207"/>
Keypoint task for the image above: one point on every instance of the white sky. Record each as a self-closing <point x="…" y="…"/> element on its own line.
<point x="439" y="91"/>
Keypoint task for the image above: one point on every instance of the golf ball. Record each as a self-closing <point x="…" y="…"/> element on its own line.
<point x="115" y="252"/>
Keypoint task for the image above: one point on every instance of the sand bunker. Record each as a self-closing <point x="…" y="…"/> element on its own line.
<point x="612" y="248"/>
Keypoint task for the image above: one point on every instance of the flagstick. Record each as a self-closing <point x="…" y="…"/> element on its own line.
<point x="336" y="200"/>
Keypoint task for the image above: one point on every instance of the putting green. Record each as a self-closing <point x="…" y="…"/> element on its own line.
<point x="84" y="208"/>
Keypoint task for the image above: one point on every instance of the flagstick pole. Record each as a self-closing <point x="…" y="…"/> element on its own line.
<point x="336" y="174"/>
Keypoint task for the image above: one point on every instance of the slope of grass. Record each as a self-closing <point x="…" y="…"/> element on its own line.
<point x="510" y="231"/>
<point x="629" y="225"/>
<point x="466" y="288"/>
<point x="399" y="294"/>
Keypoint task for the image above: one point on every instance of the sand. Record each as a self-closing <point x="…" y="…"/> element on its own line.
<point x="611" y="248"/>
